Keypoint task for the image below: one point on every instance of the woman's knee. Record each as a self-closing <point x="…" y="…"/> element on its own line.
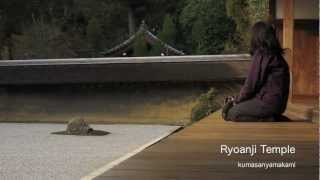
<point x="232" y="114"/>
<point x="241" y="113"/>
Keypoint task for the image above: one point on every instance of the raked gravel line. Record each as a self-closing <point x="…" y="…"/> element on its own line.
<point x="29" y="151"/>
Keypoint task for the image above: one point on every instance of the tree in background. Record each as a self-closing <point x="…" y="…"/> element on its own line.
<point x="41" y="40"/>
<point x="12" y="14"/>
<point x="244" y="13"/>
<point x="238" y="11"/>
<point x="94" y="34"/>
<point x="148" y="10"/>
<point x="140" y="47"/>
<point x="167" y="35"/>
<point x="69" y="17"/>
<point x="258" y="10"/>
<point x="104" y="18"/>
<point x="85" y="27"/>
<point x="206" y="26"/>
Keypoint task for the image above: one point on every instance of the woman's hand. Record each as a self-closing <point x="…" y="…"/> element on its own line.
<point x="230" y="99"/>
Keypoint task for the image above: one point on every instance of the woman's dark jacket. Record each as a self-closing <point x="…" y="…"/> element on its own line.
<point x="268" y="80"/>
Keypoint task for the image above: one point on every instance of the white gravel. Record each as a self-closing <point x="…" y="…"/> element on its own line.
<point x="29" y="151"/>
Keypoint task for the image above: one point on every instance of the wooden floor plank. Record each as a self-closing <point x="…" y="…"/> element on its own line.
<point x="194" y="153"/>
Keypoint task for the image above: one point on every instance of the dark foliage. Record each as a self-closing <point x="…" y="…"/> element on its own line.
<point x="84" y="28"/>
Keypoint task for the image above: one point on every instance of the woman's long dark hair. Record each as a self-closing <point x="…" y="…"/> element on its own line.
<point x="264" y="40"/>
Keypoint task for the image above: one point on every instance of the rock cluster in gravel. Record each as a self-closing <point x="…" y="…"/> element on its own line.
<point x="78" y="126"/>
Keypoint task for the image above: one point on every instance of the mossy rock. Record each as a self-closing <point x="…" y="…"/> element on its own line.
<point x="205" y="106"/>
<point x="79" y="127"/>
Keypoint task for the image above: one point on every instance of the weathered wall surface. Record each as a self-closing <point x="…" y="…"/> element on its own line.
<point x="120" y="103"/>
<point x="115" y="70"/>
<point x="157" y="90"/>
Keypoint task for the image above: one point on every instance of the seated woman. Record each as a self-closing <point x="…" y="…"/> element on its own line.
<point x="264" y="94"/>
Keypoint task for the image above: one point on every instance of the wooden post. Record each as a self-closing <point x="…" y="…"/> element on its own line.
<point x="288" y="37"/>
<point x="288" y="29"/>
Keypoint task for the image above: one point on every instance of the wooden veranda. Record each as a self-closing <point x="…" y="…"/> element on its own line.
<point x="194" y="153"/>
